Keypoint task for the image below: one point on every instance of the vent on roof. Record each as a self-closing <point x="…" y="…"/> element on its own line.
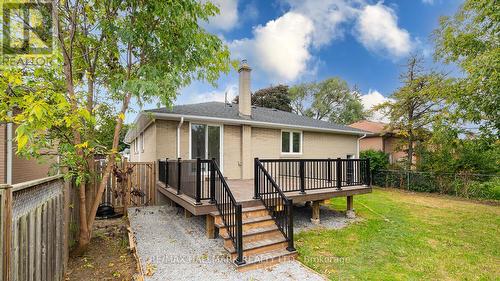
<point x="274" y="109"/>
<point x="253" y="106"/>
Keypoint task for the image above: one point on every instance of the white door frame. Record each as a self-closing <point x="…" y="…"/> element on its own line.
<point x="221" y="140"/>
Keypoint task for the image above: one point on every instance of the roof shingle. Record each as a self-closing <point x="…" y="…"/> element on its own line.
<point x="259" y="114"/>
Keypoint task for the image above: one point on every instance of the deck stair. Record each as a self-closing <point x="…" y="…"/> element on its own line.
<point x="263" y="243"/>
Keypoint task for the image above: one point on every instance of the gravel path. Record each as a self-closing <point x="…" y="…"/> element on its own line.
<point x="173" y="247"/>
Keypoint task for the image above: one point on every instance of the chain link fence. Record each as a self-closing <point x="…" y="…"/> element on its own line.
<point x="466" y="185"/>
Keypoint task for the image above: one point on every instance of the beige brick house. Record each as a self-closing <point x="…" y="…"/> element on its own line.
<point x="14" y="169"/>
<point x="234" y="134"/>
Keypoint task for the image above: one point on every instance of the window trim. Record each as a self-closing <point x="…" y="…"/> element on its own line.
<point x="141" y="138"/>
<point x="301" y="142"/>
<point x="136" y="145"/>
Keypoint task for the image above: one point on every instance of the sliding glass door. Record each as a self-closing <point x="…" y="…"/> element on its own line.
<point x="206" y="142"/>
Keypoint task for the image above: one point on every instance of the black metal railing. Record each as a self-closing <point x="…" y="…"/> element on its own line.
<point x="230" y="210"/>
<point x="202" y="179"/>
<point x="188" y="177"/>
<point x="307" y="174"/>
<point x="278" y="205"/>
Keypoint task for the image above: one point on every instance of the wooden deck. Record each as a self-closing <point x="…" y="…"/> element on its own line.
<point x="243" y="191"/>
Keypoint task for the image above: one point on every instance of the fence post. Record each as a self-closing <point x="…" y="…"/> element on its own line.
<point x="6" y="205"/>
<point x="329" y="169"/>
<point x="166" y="172"/>
<point x="302" y="177"/>
<point x="179" y="174"/>
<point x="339" y="173"/>
<point x="127" y="188"/>
<point x="255" y="179"/>
<point x="239" y="236"/>
<point x="66" y="222"/>
<point x="198" y="181"/>
<point x="212" y="181"/>
<point x="289" y="206"/>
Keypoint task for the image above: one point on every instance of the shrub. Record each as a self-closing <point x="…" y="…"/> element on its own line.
<point x="379" y="160"/>
<point x="485" y="190"/>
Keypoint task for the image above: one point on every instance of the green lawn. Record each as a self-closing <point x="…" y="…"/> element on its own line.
<point x="407" y="236"/>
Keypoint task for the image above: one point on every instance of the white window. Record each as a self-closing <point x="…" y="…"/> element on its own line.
<point x="136" y="150"/>
<point x="291" y="142"/>
<point x="142" y="142"/>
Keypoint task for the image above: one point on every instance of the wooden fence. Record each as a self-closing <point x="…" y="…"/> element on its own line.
<point x="34" y="226"/>
<point x="140" y="186"/>
<point x="39" y="220"/>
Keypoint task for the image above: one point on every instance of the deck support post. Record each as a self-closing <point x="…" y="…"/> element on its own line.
<point x="350" y="207"/>
<point x="210" y="226"/>
<point x="315" y="219"/>
<point x="187" y="214"/>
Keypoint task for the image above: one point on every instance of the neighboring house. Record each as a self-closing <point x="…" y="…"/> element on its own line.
<point x="19" y="169"/>
<point x="235" y="134"/>
<point x="381" y="139"/>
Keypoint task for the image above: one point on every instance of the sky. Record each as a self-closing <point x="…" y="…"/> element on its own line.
<point x="288" y="42"/>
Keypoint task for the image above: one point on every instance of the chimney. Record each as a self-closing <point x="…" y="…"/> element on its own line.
<point x="245" y="103"/>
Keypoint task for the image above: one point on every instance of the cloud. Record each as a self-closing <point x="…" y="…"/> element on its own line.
<point x="280" y="48"/>
<point x="190" y="95"/>
<point x="284" y="48"/>
<point x="227" y="18"/>
<point x="378" y="31"/>
<point x="372" y="99"/>
<point x="430" y="2"/>
<point x="328" y="16"/>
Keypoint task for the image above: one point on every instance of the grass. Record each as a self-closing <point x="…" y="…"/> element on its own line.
<point x="407" y="236"/>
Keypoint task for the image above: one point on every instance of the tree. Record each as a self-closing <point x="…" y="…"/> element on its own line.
<point x="415" y="105"/>
<point x="470" y="39"/>
<point x="331" y="99"/>
<point x="451" y="150"/>
<point x="142" y="50"/>
<point x="104" y="128"/>
<point x="276" y="97"/>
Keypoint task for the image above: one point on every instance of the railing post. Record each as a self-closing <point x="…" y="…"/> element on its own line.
<point x="198" y="181"/>
<point x="289" y="204"/>
<point x="339" y="173"/>
<point x="368" y="173"/>
<point x="212" y="181"/>
<point x="239" y="236"/>
<point x="179" y="174"/>
<point x="166" y="172"/>
<point x="329" y="170"/>
<point x="302" y="177"/>
<point x="256" y="182"/>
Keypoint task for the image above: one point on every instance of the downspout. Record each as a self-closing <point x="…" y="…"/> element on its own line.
<point x="179" y="137"/>
<point x="357" y="145"/>
<point x="9" y="151"/>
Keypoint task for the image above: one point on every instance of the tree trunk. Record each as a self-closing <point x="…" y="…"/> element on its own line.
<point x="410" y="152"/>
<point x="110" y="163"/>
<point x="84" y="235"/>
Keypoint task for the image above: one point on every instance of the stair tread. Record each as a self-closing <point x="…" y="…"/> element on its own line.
<point x="258" y="244"/>
<point x="257" y="230"/>
<point x="249" y="220"/>
<point x="243" y="210"/>
<point x="263" y="257"/>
